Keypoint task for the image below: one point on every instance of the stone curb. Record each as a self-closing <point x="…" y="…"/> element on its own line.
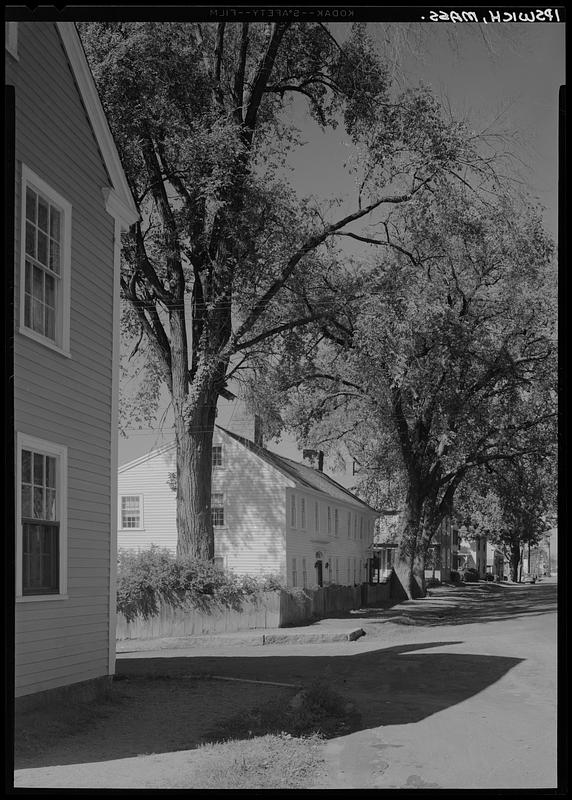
<point x="260" y="639"/>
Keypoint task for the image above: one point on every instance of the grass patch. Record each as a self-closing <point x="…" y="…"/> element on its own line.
<point x="277" y="761"/>
<point x="316" y="710"/>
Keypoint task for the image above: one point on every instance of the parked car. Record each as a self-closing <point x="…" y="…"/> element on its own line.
<point x="470" y="575"/>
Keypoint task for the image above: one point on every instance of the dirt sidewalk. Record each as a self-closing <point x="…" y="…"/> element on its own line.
<point x="454" y="691"/>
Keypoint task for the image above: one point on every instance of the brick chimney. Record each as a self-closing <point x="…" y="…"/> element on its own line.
<point x="314" y="459"/>
<point x="246" y="424"/>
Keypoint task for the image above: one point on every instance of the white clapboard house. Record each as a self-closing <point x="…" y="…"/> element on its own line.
<point x="271" y="515"/>
<point x="68" y="201"/>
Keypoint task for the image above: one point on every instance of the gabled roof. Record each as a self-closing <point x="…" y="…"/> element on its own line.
<point x="304" y="475"/>
<point x="118" y="197"/>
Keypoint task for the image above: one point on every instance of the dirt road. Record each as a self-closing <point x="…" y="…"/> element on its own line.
<point x="455" y="691"/>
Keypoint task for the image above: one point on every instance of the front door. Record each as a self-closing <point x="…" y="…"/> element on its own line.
<point x="319" y="576"/>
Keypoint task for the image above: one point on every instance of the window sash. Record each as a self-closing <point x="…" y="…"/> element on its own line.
<point x="217" y="455"/>
<point x="131" y="511"/>
<point x="217" y="510"/>
<point x="40" y="557"/>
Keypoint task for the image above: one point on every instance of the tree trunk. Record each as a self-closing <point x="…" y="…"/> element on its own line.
<point x="195" y="538"/>
<point x="409" y="564"/>
<point x="514" y="561"/>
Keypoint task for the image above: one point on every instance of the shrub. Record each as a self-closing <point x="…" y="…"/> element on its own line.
<point x="148" y="578"/>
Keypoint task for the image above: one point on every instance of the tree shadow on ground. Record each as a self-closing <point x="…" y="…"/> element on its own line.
<point x="389" y="686"/>
<point x="463" y="605"/>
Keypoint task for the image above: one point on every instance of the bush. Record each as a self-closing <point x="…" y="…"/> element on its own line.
<point x="148" y="578"/>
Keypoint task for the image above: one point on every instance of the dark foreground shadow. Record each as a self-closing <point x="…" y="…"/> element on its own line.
<point x="388" y="686"/>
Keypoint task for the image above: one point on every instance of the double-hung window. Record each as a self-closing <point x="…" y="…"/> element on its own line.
<point x="131" y="508"/>
<point x="293" y="511"/>
<point x="217" y="509"/>
<point x="217" y="456"/>
<point x="41" y="543"/>
<point x="45" y="275"/>
<point x="303" y="513"/>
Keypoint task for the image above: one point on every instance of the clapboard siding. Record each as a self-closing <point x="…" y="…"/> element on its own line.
<point x="257" y="537"/>
<point x="67" y="400"/>
<point x="305" y="543"/>
<point x="253" y="538"/>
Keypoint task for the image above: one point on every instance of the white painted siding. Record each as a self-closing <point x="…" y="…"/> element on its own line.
<point x="305" y="543"/>
<point x="148" y="478"/>
<point x="67" y="400"/>
<point x="253" y="539"/>
<point x="257" y="537"/>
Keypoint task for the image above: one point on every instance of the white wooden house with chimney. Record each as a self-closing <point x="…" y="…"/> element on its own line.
<point x="271" y="515"/>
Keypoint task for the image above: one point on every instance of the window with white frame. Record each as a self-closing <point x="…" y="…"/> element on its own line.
<point x="303" y="513"/>
<point x="11" y="38"/>
<point x="304" y="574"/>
<point x="217" y="509"/>
<point x="329" y="519"/>
<point x="217" y="456"/>
<point x="294" y="573"/>
<point x="45" y="274"/>
<point x="355" y="527"/>
<point x="316" y="517"/>
<point x="349" y="571"/>
<point x="131" y="509"/>
<point x="293" y="511"/>
<point x="336" y="522"/>
<point x="41" y="544"/>
<point x="361" y="527"/>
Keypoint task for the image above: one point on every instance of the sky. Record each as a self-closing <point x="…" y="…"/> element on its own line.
<point x="510" y="81"/>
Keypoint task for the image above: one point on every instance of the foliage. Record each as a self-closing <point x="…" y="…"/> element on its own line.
<point x="227" y="262"/>
<point x="148" y="578"/>
<point x="448" y="364"/>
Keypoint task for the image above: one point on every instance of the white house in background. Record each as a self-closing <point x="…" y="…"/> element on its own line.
<point x="270" y="514"/>
<point x="69" y="202"/>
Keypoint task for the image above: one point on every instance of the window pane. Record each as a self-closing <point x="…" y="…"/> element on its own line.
<point x="26" y="501"/>
<point x="37" y="317"/>
<point x="38" y="503"/>
<point x="30" y="204"/>
<point x="42" y="248"/>
<point x="55" y="224"/>
<point x="50" y="286"/>
<point x="54" y="256"/>
<point x="51" y="472"/>
<point x="26" y="466"/>
<point x="50" y="323"/>
<point x="28" y="278"/>
<point x="27" y="311"/>
<point x="42" y="214"/>
<point x="39" y="469"/>
<point x="30" y="239"/>
<point x="51" y="504"/>
<point x="38" y="283"/>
